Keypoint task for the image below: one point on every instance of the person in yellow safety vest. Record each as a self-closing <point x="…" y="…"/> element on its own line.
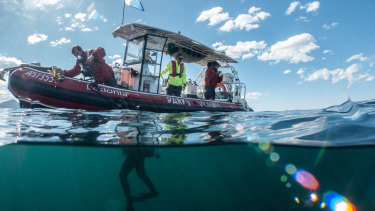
<point x="176" y="77"/>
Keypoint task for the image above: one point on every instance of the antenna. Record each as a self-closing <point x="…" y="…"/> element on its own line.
<point x="123" y="14"/>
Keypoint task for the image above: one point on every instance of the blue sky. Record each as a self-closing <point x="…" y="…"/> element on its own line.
<point x="291" y="54"/>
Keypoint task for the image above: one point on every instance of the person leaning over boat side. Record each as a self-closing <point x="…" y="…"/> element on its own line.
<point x="176" y="77"/>
<point x="211" y="79"/>
<point x="92" y="63"/>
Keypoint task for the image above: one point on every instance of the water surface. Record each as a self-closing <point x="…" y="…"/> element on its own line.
<point x="116" y="160"/>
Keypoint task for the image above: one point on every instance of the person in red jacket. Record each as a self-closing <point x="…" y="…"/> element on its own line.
<point x="211" y="79"/>
<point x="91" y="63"/>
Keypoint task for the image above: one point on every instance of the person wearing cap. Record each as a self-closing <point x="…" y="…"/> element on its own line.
<point x="177" y="75"/>
<point x="211" y="79"/>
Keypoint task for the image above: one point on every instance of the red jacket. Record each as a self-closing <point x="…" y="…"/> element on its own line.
<point x="212" y="78"/>
<point x="101" y="71"/>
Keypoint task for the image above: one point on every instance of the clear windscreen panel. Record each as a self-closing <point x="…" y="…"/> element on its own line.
<point x="152" y="64"/>
<point x="133" y="60"/>
<point x="134" y="53"/>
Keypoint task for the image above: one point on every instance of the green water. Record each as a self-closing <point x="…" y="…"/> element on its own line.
<point x="224" y="177"/>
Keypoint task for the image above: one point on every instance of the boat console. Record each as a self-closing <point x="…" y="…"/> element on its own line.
<point x="145" y="47"/>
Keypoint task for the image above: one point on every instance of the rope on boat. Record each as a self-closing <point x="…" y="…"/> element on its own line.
<point x="113" y="102"/>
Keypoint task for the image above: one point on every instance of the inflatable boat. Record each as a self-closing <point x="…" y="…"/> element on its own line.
<point x="140" y="86"/>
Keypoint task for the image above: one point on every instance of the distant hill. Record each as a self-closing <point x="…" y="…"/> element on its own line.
<point x="9" y="104"/>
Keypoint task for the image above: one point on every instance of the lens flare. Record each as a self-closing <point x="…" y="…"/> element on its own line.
<point x="93" y="14"/>
<point x="283" y="178"/>
<point x="275" y="156"/>
<point x="296" y="199"/>
<point x="322" y="205"/>
<point x="306" y="179"/>
<point x="90" y="7"/>
<point x="337" y="202"/>
<point x="313" y="197"/>
<point x="266" y="147"/>
<point x="290" y="169"/>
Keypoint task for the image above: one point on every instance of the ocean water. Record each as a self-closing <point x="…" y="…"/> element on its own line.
<point x="61" y="159"/>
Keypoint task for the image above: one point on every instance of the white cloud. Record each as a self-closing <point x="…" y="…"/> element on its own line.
<point x="302" y="18"/>
<point x="247" y="21"/>
<point x="35" y="38"/>
<point x="75" y="22"/>
<point x="287" y="71"/>
<point x="301" y="73"/>
<point x="42" y="4"/>
<point x="214" y="15"/>
<point x="59" y="20"/>
<point x="370" y="78"/>
<point x="6" y="62"/>
<point x="351" y="74"/>
<point x="334" y="24"/>
<point x="27" y="8"/>
<point x="292" y="7"/>
<point x="327" y="51"/>
<point x="86" y="29"/>
<point x="319" y="74"/>
<point x="312" y="6"/>
<point x="116" y="56"/>
<point x="62" y="41"/>
<point x="309" y="7"/>
<point x="80" y="16"/>
<point x="69" y="29"/>
<point x="360" y="57"/>
<point x="295" y="49"/>
<point x="117" y="61"/>
<point x="245" y="49"/>
<point x="253" y="95"/>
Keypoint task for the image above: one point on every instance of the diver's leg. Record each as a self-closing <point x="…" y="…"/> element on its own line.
<point x="125" y="170"/>
<point x="141" y="173"/>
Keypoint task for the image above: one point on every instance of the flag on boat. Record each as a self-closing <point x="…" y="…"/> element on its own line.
<point x="135" y="3"/>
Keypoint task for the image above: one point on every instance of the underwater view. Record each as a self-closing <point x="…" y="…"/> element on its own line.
<point x="61" y="159"/>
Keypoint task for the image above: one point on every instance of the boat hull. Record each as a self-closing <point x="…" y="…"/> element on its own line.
<point x="37" y="88"/>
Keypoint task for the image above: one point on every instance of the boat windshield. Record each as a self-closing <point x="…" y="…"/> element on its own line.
<point x="144" y="55"/>
<point x="134" y="51"/>
<point x="152" y="64"/>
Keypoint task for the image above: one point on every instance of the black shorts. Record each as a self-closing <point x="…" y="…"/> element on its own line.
<point x="209" y="93"/>
<point x="174" y="90"/>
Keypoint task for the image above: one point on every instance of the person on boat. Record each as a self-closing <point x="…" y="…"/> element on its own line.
<point x="211" y="79"/>
<point x="92" y="63"/>
<point x="176" y="77"/>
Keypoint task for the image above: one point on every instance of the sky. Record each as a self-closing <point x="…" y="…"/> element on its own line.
<point x="290" y="54"/>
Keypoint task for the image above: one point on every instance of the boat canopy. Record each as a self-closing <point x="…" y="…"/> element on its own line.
<point x="176" y="43"/>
